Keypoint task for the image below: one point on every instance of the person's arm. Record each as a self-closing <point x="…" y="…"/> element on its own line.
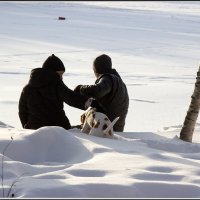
<point x="22" y="106"/>
<point x="99" y="90"/>
<point x="71" y="98"/>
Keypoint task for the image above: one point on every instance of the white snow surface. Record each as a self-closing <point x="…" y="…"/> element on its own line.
<point x="155" y="48"/>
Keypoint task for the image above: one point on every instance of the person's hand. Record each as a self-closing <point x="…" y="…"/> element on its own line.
<point x="77" y="88"/>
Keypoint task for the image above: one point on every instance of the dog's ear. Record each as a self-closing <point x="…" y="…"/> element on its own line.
<point x="82" y="118"/>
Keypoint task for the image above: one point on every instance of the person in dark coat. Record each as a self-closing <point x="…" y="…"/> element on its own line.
<point x="109" y="91"/>
<point x="41" y="101"/>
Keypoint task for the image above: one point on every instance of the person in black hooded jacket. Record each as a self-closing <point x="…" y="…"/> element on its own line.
<point x="109" y="91"/>
<point x="41" y="100"/>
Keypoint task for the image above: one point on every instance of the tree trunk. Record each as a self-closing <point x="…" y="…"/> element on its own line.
<point x="192" y="113"/>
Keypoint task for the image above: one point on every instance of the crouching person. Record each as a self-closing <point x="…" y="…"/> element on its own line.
<point x="109" y="91"/>
<point x="42" y="100"/>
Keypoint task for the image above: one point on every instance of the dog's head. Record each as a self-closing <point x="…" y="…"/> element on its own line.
<point x="89" y="112"/>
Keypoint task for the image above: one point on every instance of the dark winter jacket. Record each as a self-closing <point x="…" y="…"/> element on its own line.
<point x="41" y="100"/>
<point x="111" y="92"/>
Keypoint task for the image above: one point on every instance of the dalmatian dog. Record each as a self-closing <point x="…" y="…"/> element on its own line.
<point x="97" y="123"/>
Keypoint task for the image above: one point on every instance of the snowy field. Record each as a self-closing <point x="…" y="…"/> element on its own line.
<point x="155" y="48"/>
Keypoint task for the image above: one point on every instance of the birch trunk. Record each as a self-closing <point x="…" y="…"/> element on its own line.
<point x="192" y="113"/>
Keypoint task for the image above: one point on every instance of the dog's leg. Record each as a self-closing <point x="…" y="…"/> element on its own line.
<point x="95" y="129"/>
<point x="86" y="121"/>
<point x="86" y="128"/>
<point x="88" y="124"/>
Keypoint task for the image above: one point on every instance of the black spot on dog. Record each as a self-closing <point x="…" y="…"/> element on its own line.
<point x="104" y="126"/>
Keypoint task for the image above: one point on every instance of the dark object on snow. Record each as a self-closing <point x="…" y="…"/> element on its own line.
<point x="187" y="130"/>
<point x="61" y="18"/>
<point x="109" y="91"/>
<point x="41" y="101"/>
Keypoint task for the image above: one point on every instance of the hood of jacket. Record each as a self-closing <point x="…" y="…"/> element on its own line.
<point x="114" y="71"/>
<point x="41" y="77"/>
